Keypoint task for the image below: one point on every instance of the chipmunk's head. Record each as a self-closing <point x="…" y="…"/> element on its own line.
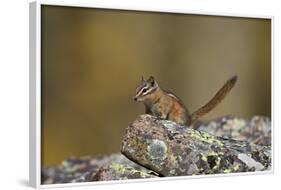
<point x="145" y="89"/>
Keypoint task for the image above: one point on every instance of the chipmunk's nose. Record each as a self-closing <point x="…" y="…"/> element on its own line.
<point x="135" y="98"/>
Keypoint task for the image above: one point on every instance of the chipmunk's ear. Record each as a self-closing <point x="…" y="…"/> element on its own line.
<point x="142" y="79"/>
<point x="152" y="81"/>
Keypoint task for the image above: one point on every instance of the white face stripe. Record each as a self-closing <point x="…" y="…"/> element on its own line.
<point x="149" y="90"/>
<point x="149" y="86"/>
<point x="140" y="91"/>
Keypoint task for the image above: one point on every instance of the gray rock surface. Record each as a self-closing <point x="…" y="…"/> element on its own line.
<point x="117" y="171"/>
<point x="162" y="148"/>
<point x="84" y="169"/>
<point x="173" y="150"/>
<point x="256" y="130"/>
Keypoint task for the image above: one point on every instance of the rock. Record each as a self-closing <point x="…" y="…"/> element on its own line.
<point x="173" y="150"/>
<point x="116" y="171"/>
<point x="162" y="148"/>
<point x="84" y="169"/>
<point x="256" y="130"/>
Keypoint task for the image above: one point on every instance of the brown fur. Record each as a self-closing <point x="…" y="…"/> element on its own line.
<point x="166" y="105"/>
<point x="219" y="96"/>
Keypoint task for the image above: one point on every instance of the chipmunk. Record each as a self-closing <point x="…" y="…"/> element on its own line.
<point x="166" y="105"/>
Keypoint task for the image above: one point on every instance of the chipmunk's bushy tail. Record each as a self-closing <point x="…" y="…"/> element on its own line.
<point x="215" y="100"/>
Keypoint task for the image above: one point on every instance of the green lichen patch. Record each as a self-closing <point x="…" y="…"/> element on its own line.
<point x="117" y="167"/>
<point x="204" y="157"/>
<point x="205" y="137"/>
<point x="212" y="159"/>
<point x="157" y="150"/>
<point x="157" y="153"/>
<point x="227" y="171"/>
<point x="236" y="167"/>
<point x="119" y="171"/>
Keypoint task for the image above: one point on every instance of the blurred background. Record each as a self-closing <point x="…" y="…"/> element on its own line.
<point x="92" y="60"/>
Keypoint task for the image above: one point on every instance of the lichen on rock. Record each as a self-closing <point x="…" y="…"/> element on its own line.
<point x="154" y="148"/>
<point x="93" y="168"/>
<point x="255" y="130"/>
<point x="157" y="152"/>
<point x="173" y="150"/>
<point x="117" y="171"/>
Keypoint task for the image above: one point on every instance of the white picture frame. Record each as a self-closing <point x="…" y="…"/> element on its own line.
<point x="35" y="88"/>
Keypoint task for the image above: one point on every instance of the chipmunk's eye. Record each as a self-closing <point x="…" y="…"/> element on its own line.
<point x="144" y="90"/>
